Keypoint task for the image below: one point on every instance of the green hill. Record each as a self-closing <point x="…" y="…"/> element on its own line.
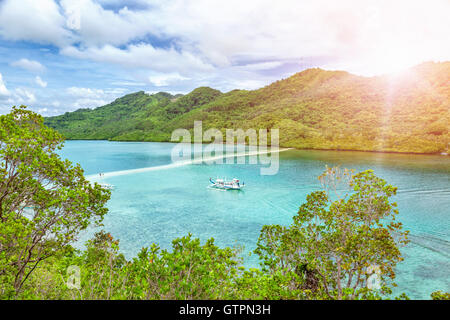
<point x="315" y="109"/>
<point x="137" y="116"/>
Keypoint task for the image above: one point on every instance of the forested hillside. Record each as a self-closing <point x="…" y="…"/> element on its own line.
<point x="316" y="109"/>
<point x="136" y="116"/>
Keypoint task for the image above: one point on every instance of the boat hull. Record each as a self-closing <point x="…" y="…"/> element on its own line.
<point x="226" y="185"/>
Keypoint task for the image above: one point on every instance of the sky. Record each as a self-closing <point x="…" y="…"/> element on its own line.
<point x="59" y="56"/>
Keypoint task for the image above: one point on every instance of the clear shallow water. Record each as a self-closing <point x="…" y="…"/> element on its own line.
<point x="160" y="205"/>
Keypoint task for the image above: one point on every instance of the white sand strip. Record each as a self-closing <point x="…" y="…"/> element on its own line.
<point x="182" y="163"/>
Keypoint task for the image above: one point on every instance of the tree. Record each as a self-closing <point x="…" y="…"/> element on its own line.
<point x="191" y="271"/>
<point x="343" y="242"/>
<point x="44" y="201"/>
<point x="439" y="295"/>
<point x="101" y="266"/>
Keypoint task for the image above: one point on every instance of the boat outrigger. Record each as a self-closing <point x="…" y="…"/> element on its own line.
<point x="107" y="186"/>
<point x="227" y="185"/>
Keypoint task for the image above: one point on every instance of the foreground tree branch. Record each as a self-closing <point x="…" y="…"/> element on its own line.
<point x="45" y="201"/>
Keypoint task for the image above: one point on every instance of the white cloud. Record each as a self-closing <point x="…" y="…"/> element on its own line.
<point x="348" y="30"/>
<point x="261" y="66"/>
<point x="162" y="80"/>
<point x="143" y="56"/>
<point x="18" y="96"/>
<point x="37" y="21"/>
<point x="91" y="98"/>
<point x="85" y="92"/>
<point x="23" y="96"/>
<point x="355" y="34"/>
<point x="128" y="83"/>
<point x="4" y="92"/>
<point x="30" y="65"/>
<point x="89" y="103"/>
<point x="140" y="3"/>
<point x="96" y="26"/>
<point x="40" y="82"/>
<point x="213" y="35"/>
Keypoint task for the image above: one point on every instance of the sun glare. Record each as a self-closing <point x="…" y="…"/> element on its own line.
<point x="391" y="62"/>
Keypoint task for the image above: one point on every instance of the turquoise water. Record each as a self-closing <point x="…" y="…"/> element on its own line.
<point x="160" y="205"/>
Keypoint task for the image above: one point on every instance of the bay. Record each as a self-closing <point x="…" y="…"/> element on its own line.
<point x="159" y="205"/>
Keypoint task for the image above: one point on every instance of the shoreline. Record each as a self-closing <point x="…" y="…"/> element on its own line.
<point x="287" y="147"/>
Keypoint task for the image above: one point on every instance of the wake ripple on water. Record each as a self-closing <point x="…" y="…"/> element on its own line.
<point x="421" y="191"/>
<point x="438" y="245"/>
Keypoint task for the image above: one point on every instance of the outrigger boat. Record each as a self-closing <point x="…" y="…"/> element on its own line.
<point x="107" y="186"/>
<point x="227" y="185"/>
